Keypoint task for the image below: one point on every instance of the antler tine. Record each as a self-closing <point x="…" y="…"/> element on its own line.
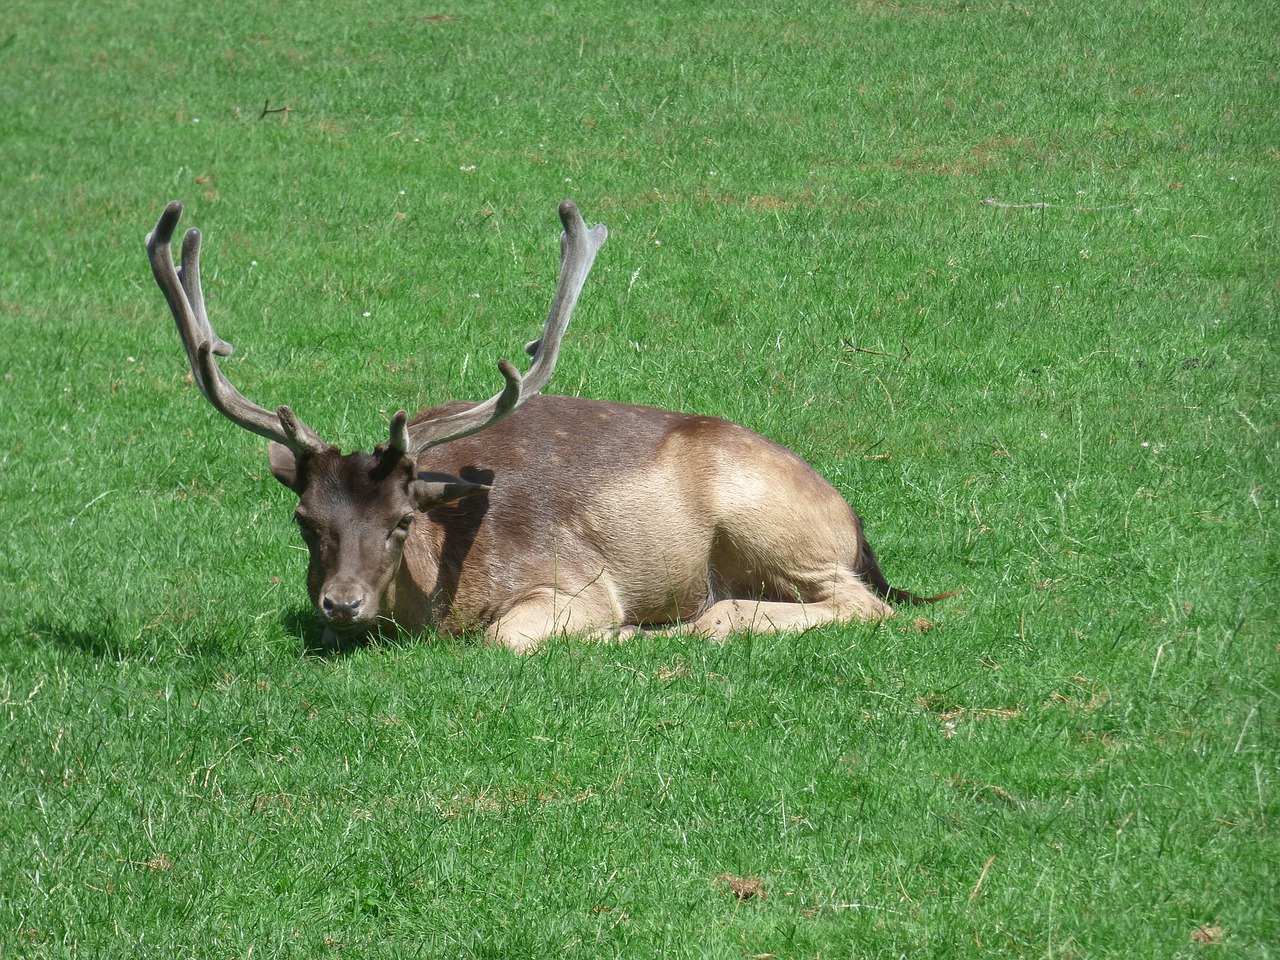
<point x="189" y="275"/>
<point x="168" y="279"/>
<point x="181" y="289"/>
<point x="432" y="433"/>
<point x="578" y="248"/>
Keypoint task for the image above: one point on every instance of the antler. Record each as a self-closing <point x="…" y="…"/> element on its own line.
<point x="181" y="288"/>
<point x="578" y="248"/>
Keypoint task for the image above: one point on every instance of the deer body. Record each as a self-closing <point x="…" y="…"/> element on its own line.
<point x="619" y="517"/>
<point x="528" y="516"/>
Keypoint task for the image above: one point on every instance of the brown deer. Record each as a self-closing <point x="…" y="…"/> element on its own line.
<point x="528" y="516"/>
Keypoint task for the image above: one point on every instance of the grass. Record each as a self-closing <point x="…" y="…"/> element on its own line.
<point x="1068" y="410"/>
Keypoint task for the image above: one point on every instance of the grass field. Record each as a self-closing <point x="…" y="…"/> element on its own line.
<point x="1065" y="401"/>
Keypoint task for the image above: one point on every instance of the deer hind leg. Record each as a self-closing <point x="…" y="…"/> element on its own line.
<point x="849" y="600"/>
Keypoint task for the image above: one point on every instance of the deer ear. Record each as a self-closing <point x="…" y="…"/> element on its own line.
<point x="284" y="464"/>
<point x="433" y="490"/>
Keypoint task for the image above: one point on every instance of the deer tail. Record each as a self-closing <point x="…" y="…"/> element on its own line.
<point x="869" y="570"/>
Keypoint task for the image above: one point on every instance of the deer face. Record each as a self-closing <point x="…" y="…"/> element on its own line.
<point x="355" y="512"/>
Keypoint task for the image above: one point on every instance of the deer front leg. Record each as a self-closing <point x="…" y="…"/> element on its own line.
<point x="550" y="612"/>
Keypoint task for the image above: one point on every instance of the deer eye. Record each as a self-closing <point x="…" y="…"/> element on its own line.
<point x="305" y="526"/>
<point x="402" y="528"/>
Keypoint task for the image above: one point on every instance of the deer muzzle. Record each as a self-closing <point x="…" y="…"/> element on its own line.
<point x="347" y="606"/>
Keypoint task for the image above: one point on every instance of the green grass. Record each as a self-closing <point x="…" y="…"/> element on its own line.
<point x="1069" y="411"/>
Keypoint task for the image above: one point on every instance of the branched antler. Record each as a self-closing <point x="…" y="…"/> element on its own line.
<point x="578" y="248"/>
<point x="181" y="288"/>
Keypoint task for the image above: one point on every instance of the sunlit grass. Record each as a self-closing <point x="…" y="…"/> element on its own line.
<point x="1064" y="404"/>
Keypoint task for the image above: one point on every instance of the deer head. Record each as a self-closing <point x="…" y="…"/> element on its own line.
<point x="356" y="510"/>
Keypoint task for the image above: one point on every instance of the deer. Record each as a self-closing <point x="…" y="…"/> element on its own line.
<point x="529" y="516"/>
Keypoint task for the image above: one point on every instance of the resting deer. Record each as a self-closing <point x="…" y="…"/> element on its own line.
<point x="528" y="516"/>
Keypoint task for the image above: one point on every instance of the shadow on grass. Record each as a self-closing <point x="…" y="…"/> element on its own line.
<point x="302" y="622"/>
<point x="306" y="626"/>
<point x="98" y="631"/>
<point x="98" y="634"/>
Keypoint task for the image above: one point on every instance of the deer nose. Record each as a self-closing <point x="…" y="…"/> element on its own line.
<point x="341" y="609"/>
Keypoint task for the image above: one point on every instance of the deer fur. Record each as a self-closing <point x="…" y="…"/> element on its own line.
<point x="530" y="516"/>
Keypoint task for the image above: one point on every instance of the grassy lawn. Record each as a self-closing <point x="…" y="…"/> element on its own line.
<point x="1006" y="273"/>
